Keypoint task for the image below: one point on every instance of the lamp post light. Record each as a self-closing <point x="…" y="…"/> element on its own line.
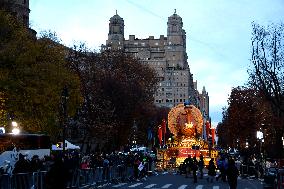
<point x="15" y="128"/>
<point x="259" y="136"/>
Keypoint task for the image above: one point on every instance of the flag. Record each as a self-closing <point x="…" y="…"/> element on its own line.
<point x="160" y="134"/>
<point x="207" y="124"/>
<point x="164" y="126"/>
<point x="213" y="136"/>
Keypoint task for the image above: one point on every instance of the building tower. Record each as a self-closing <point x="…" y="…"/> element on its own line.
<point x="18" y="8"/>
<point x="116" y="32"/>
<point x="166" y="55"/>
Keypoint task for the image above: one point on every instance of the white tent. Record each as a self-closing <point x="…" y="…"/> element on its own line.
<point x="68" y="146"/>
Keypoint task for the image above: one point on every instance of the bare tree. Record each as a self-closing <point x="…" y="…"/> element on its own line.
<point x="266" y="73"/>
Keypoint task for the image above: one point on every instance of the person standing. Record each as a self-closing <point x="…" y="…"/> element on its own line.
<point x="232" y="174"/>
<point x="201" y="166"/>
<point x="136" y="164"/>
<point x="188" y="164"/>
<point x="22" y="165"/>
<point x="194" y="168"/>
<point x="211" y="170"/>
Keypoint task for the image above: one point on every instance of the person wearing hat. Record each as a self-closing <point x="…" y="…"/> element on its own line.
<point x="22" y="165"/>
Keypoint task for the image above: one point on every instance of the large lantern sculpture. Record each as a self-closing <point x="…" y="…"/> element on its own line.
<point x="186" y="121"/>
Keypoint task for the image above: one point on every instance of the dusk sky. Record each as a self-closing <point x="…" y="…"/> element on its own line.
<point x="218" y="32"/>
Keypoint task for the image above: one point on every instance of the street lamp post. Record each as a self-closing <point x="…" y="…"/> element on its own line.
<point x="259" y="136"/>
<point x="15" y="128"/>
<point x="64" y="98"/>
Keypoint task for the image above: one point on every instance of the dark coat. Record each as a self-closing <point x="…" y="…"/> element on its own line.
<point x="22" y="165"/>
<point x="211" y="168"/>
<point x="57" y="176"/>
<point x="232" y="174"/>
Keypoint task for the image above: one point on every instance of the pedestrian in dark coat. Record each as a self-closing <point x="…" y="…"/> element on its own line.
<point x="194" y="169"/>
<point x="211" y="170"/>
<point x="232" y="174"/>
<point x="57" y="176"/>
<point x="22" y="165"/>
<point x="188" y="165"/>
<point x="201" y="166"/>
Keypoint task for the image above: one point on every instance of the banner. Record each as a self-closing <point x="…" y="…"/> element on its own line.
<point x="164" y="127"/>
<point x="184" y="152"/>
<point x="207" y="124"/>
<point x="213" y="136"/>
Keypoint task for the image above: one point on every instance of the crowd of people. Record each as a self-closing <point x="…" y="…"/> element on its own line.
<point x="60" y="167"/>
<point x="226" y="165"/>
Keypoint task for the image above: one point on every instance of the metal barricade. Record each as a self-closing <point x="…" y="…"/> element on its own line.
<point x="244" y="170"/>
<point x="38" y="180"/>
<point x="22" y="181"/>
<point x="87" y="177"/>
<point x="75" y="179"/>
<point x="5" y="181"/>
<point x="280" y="179"/>
<point x="99" y="175"/>
<point x="81" y="178"/>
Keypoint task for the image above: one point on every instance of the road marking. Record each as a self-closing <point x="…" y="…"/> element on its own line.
<point x="134" y="185"/>
<point x="167" y="186"/>
<point x="215" y="187"/>
<point x="119" y="185"/>
<point x="150" y="186"/>
<point x="182" y="187"/>
<point x="199" y="187"/>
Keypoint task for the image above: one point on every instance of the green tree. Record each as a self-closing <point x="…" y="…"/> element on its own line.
<point x="117" y="90"/>
<point x="33" y="74"/>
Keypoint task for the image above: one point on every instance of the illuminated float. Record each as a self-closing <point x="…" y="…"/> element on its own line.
<point x="185" y="122"/>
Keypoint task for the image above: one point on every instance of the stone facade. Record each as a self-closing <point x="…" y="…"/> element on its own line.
<point x="19" y="8"/>
<point x="167" y="55"/>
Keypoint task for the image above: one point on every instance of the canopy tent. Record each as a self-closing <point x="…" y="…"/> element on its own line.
<point x="68" y="146"/>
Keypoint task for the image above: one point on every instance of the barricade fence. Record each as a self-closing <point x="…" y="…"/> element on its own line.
<point x="248" y="171"/>
<point x="81" y="178"/>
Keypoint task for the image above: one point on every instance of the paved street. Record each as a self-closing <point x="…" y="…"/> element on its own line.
<point x="173" y="181"/>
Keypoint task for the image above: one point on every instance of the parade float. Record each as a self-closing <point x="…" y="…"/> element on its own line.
<point x="190" y="135"/>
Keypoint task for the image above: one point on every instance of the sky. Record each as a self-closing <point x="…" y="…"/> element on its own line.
<point x="218" y="32"/>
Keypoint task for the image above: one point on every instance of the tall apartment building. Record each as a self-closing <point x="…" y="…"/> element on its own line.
<point x="167" y="55"/>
